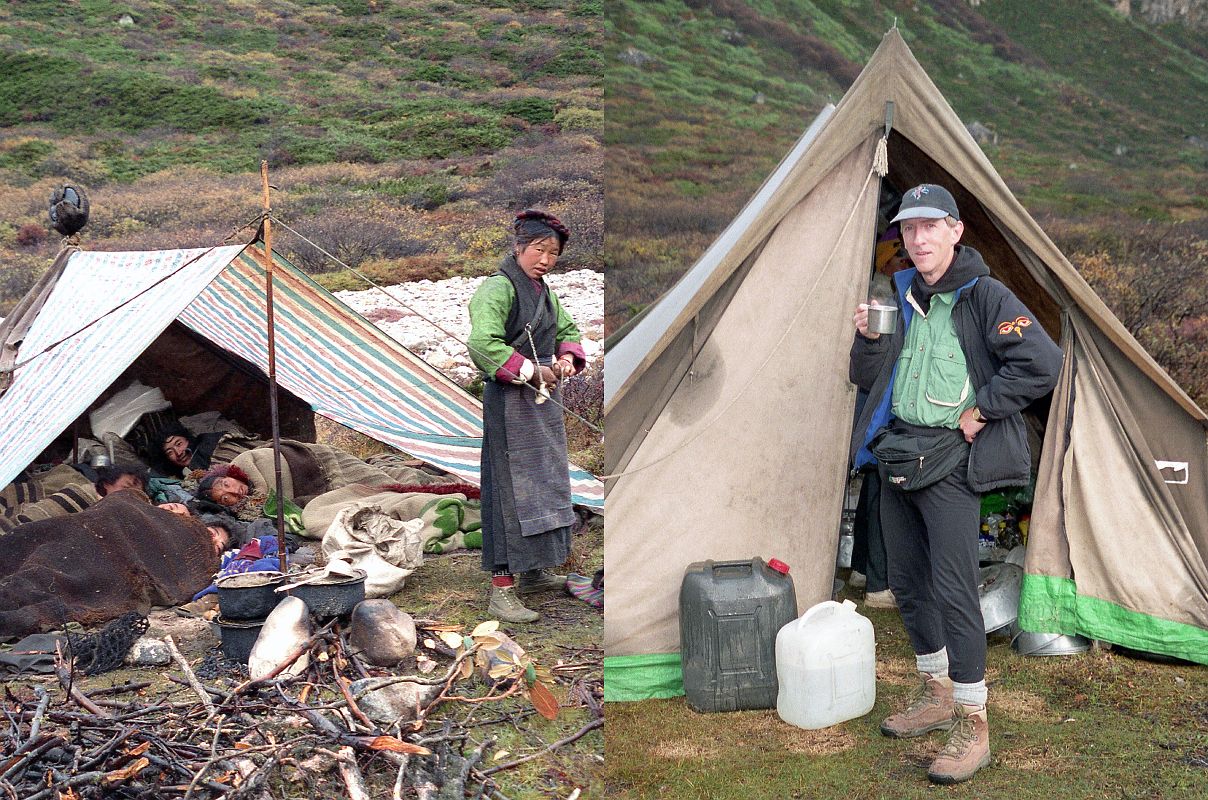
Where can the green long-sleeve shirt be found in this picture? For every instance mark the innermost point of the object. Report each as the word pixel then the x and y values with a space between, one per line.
pixel 489 309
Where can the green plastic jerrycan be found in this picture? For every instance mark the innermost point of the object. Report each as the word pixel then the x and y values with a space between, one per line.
pixel 730 613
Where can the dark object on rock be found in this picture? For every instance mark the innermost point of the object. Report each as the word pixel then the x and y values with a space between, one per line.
pixel 68 209
pixel 105 650
pixel 381 633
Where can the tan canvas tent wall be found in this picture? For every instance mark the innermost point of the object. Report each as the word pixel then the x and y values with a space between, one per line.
pixel 729 410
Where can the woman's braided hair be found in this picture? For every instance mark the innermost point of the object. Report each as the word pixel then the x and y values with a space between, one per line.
pixel 532 225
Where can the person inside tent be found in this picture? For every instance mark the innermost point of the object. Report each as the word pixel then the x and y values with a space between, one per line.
pixel 75 498
pixel 179 450
pixel 308 469
pixel 525 344
pixel 118 555
pixel 943 422
pixel 223 485
pixel 868 559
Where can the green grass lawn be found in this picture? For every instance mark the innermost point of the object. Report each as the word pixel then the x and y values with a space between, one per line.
pixel 1095 725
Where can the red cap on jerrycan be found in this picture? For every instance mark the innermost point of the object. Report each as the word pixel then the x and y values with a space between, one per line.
pixel 779 566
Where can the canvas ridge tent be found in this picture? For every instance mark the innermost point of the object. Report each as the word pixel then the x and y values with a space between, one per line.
pixel 192 322
pixel 729 410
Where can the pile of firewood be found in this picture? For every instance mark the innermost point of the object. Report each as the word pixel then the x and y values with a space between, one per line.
pixel 231 740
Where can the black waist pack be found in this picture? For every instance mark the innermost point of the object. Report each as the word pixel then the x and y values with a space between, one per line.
pixel 911 461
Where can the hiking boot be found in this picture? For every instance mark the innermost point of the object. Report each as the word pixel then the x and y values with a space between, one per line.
pixel 857 580
pixel 205 607
pixel 968 748
pixel 932 709
pixel 881 599
pixel 505 605
pixel 539 580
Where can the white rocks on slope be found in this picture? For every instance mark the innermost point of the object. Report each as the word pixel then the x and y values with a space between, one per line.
pixel 445 303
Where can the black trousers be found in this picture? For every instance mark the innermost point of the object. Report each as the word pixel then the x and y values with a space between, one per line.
pixel 931 541
pixel 868 544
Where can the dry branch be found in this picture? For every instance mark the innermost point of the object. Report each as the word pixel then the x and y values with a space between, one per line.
pixel 189 676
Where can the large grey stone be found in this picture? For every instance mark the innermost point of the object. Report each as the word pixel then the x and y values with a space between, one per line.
pixel 398 702
pixel 148 652
pixel 380 633
pixel 286 629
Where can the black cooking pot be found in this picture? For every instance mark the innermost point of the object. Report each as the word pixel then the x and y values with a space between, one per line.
pixel 332 597
pixel 238 636
pixel 248 595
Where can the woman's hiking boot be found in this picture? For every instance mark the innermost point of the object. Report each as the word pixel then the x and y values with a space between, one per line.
pixel 931 710
pixel 539 580
pixel 505 605
pixel 968 748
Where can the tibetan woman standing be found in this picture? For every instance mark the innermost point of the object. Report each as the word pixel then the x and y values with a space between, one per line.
pixel 525 344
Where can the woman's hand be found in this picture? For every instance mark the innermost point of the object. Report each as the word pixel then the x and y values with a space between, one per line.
pixel 546 374
pixel 564 367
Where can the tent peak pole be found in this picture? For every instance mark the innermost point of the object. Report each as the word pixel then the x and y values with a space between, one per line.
pixel 267 228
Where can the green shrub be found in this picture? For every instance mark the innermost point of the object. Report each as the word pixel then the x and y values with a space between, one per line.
pixel 535 110
pixel 579 119
pixel 40 88
pixel 26 156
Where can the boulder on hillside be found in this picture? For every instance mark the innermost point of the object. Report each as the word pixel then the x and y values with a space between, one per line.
pixel 982 134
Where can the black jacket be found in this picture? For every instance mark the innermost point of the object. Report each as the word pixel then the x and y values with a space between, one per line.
pixel 1011 362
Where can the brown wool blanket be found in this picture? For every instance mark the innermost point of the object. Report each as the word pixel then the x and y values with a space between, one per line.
pixel 122 554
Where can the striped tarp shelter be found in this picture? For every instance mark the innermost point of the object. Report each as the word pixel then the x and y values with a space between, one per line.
pixel 107 308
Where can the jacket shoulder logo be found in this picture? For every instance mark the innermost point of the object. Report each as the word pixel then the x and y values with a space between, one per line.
pixel 1015 326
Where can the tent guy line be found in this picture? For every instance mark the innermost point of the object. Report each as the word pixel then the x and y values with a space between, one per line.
pixel 880 168
pixel 419 314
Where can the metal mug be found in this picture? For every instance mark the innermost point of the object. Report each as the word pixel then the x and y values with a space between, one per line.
pixel 882 319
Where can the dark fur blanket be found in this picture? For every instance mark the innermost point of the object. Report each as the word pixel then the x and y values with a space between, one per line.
pixel 122 554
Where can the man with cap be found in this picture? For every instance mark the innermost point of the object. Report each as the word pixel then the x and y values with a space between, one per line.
pixel 967 357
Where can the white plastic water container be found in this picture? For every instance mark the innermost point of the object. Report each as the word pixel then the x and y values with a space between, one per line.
pixel 826 666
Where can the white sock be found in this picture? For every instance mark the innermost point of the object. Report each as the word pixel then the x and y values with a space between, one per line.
pixel 970 694
pixel 934 664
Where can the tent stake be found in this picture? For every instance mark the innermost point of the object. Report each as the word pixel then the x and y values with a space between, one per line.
pixel 272 364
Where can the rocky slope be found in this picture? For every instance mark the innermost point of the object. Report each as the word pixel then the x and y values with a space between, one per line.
pixel 430 317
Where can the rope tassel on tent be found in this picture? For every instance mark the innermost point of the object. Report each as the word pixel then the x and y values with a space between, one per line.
pixel 880 159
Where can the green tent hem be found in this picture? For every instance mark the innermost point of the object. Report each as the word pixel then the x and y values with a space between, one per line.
pixel 642 677
pixel 1053 605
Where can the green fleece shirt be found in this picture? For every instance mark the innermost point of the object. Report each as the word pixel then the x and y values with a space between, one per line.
pixel 932 385
pixel 489 309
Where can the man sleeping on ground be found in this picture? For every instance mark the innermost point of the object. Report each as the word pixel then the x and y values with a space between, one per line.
pixel 77 497
pixel 122 554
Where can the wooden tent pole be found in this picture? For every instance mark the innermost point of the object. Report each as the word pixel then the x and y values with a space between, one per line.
pixel 272 365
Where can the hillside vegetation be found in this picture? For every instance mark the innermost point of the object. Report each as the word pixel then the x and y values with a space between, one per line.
pixel 1099 133
pixel 401 137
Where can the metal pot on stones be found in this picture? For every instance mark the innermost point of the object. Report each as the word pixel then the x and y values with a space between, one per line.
pixel 248 595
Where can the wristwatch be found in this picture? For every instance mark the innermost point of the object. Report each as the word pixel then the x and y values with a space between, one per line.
pixel 977 415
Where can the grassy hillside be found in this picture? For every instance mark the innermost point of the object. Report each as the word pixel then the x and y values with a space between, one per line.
pixel 1098 131
pixel 401 136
